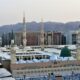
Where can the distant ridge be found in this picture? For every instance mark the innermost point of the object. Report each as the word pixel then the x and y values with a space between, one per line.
pixel 48 26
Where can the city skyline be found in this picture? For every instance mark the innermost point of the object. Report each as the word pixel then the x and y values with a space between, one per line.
pixel 11 11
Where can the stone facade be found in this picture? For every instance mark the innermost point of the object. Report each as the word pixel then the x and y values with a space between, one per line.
pixel 42 69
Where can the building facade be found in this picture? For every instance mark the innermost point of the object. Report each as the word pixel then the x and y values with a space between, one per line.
pixel 34 38
pixel 71 37
pixel 44 69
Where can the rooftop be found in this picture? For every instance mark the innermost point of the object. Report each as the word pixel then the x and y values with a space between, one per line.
pixel 54 53
pixel 4 73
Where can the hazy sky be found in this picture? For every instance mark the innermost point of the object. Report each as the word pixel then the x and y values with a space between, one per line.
pixel 11 11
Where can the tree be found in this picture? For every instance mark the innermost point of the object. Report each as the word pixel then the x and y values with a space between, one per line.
pixel 65 52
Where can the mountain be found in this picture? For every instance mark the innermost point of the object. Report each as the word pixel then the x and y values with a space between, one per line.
pixel 48 26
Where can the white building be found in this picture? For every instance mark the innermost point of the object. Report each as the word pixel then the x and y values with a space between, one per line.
pixel 71 37
pixel 5 75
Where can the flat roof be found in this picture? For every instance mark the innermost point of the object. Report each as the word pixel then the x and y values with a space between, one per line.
pixel 4 73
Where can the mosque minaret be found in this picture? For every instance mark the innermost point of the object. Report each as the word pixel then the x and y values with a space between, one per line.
pixel 78 45
pixel 13 53
pixel 42 35
pixel 24 31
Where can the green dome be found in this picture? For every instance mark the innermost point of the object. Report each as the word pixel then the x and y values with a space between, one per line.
pixel 65 52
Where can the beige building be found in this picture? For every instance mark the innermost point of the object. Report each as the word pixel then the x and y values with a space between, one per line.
pixel 43 69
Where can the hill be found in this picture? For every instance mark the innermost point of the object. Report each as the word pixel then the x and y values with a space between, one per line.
pixel 48 26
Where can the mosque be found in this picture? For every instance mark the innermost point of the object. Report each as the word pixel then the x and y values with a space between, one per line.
pixel 29 62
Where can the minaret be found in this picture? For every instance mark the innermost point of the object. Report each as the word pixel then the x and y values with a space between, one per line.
pixel 42 35
pixel 78 45
pixel 13 53
pixel 24 31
